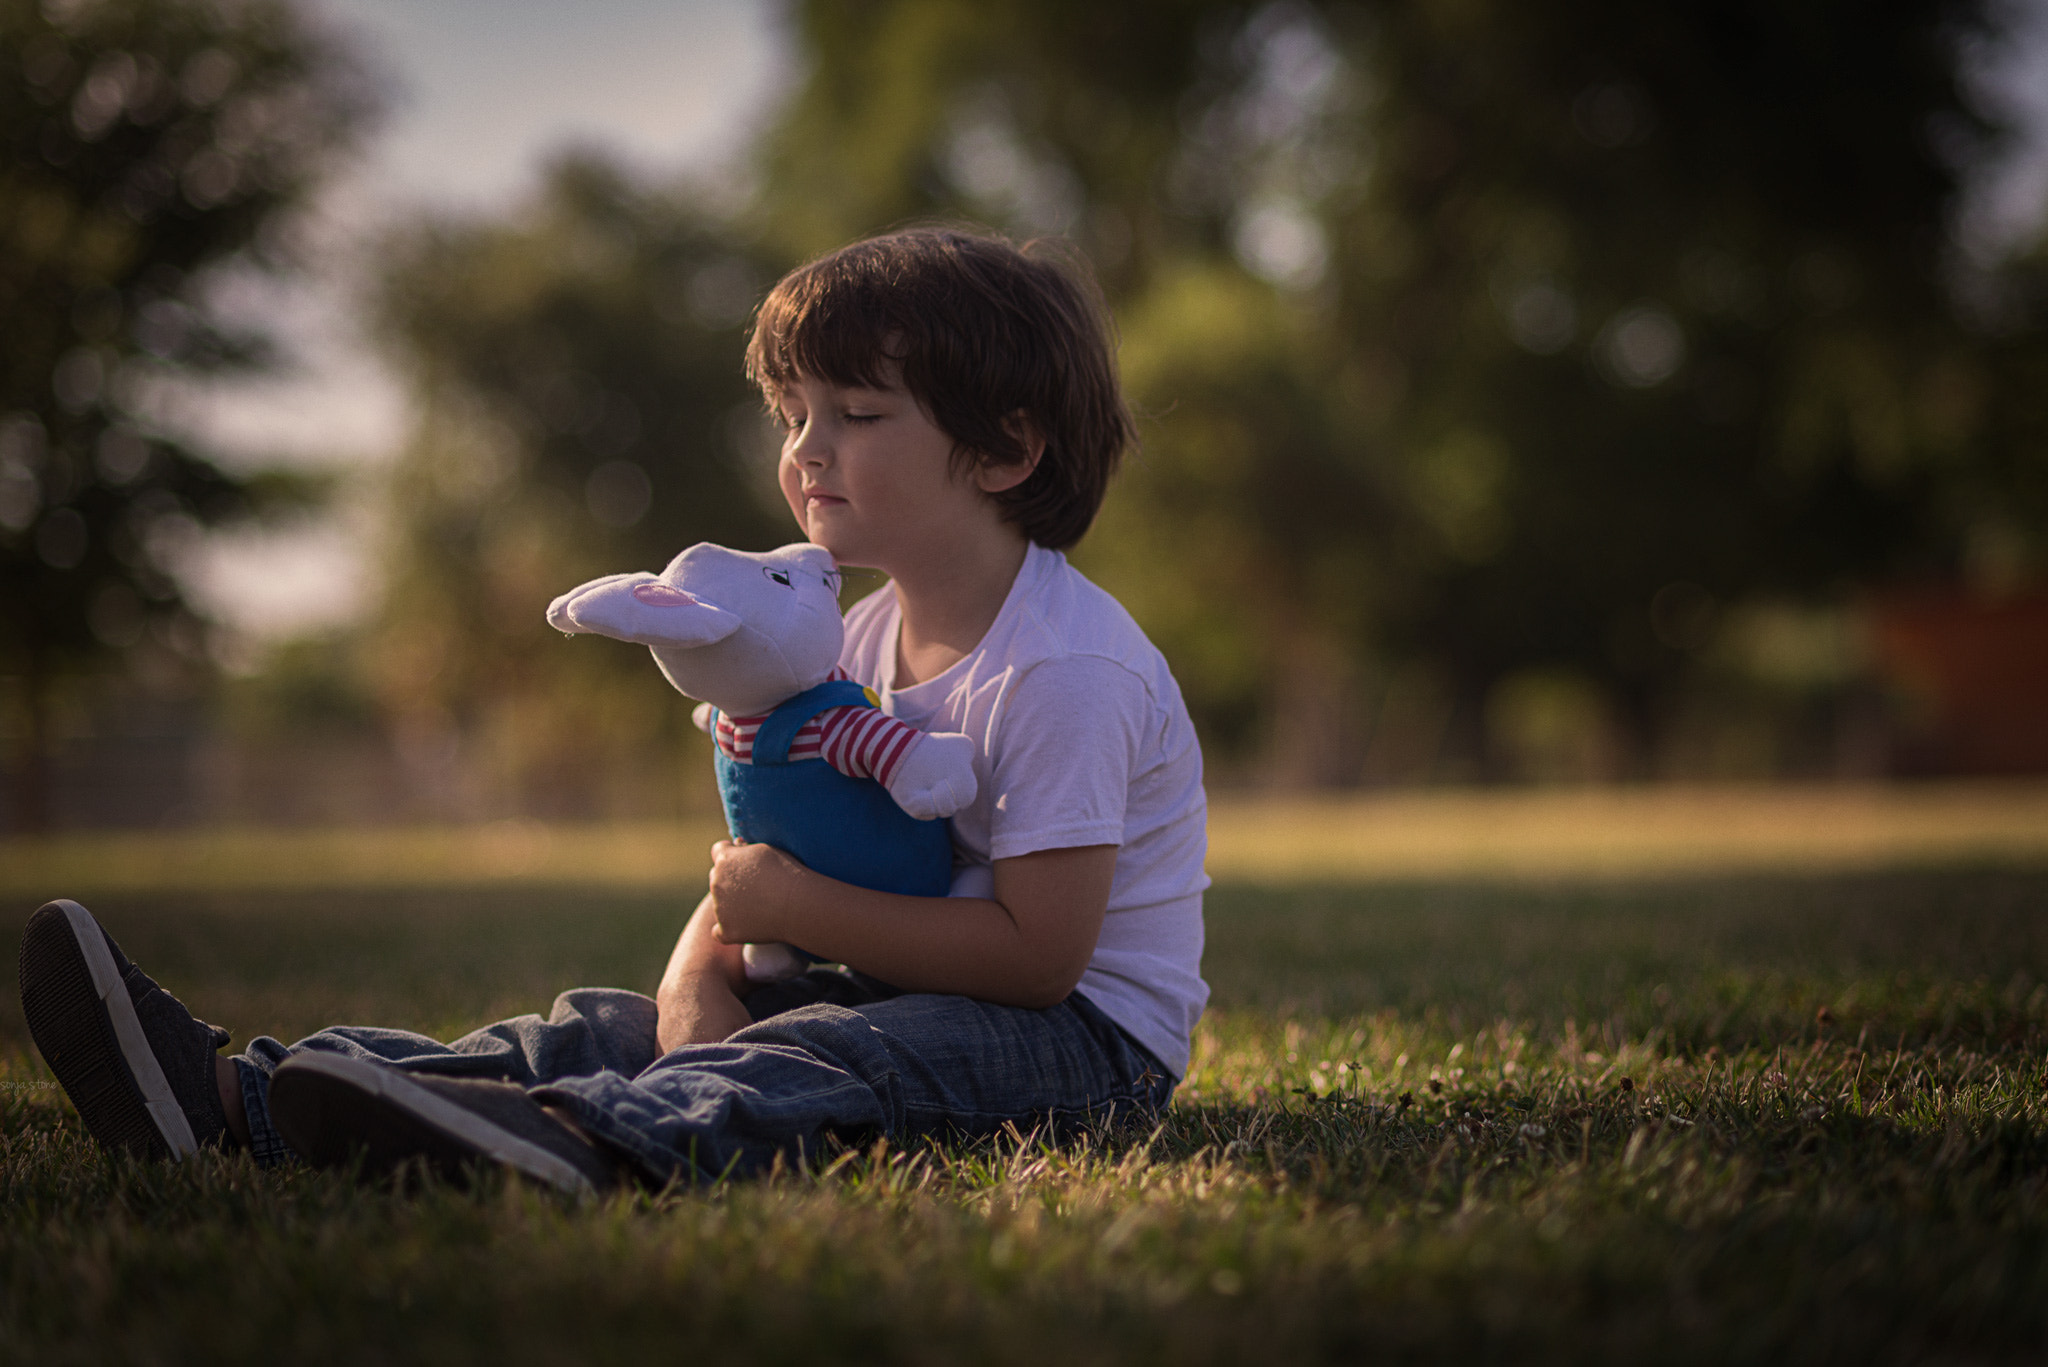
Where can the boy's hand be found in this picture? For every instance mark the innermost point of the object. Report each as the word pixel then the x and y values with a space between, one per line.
pixel 751 886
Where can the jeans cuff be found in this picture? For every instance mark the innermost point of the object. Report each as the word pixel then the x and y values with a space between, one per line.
pixel 266 1145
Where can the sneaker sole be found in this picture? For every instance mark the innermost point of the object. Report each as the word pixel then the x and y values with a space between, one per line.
pixel 82 1021
pixel 330 1108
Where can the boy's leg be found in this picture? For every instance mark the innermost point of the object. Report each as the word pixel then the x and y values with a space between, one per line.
pixel 590 1029
pixel 907 1065
pixel 341 1100
pixel 145 1076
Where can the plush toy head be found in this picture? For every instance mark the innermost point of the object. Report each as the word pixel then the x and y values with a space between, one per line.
pixel 744 631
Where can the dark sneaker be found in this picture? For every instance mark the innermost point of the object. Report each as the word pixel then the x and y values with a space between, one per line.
pixel 331 1108
pixel 137 1065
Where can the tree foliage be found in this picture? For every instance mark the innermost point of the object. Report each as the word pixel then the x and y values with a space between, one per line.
pixel 1678 271
pixel 1476 344
pixel 148 143
pixel 1489 337
pixel 576 367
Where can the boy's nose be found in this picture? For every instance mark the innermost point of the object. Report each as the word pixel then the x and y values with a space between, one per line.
pixel 808 447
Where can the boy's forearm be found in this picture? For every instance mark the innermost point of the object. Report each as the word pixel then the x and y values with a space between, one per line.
pixel 970 946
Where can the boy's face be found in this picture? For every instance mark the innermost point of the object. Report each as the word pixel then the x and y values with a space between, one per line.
pixel 869 476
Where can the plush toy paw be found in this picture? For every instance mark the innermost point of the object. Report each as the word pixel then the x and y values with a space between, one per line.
pixel 937 777
pixel 770 963
pixel 642 609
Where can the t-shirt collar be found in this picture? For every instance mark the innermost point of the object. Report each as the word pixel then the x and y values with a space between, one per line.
pixel 1035 561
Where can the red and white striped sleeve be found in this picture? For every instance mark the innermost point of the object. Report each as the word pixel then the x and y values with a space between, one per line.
pixel 866 742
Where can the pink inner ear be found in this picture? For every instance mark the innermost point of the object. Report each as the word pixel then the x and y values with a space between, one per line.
pixel 664 596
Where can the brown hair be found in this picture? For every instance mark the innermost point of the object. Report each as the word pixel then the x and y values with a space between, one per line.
pixel 980 329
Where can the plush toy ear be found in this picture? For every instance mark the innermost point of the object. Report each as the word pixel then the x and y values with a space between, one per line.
pixel 558 611
pixel 642 609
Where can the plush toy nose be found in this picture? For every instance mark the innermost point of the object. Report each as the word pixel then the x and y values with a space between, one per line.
pixel 664 596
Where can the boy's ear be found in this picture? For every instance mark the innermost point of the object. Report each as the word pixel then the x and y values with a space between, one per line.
pixel 993 478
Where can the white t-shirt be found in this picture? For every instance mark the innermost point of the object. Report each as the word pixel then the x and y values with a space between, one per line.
pixel 1081 739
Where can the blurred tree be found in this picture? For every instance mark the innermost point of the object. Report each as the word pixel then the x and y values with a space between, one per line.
pixel 1060 116
pixel 1496 337
pixel 1669 288
pixel 149 145
pixel 577 370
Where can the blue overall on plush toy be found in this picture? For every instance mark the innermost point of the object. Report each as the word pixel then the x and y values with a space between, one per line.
pixel 756 638
pixel 843 827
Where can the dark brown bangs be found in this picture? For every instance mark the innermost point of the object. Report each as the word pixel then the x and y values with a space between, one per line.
pixel 821 323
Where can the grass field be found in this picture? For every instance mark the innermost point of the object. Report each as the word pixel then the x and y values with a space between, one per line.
pixel 1764 1115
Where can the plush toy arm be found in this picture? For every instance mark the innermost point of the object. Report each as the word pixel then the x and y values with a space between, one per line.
pixel 936 777
pixel 700 715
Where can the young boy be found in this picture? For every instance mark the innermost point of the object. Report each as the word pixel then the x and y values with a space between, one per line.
pixel 952 418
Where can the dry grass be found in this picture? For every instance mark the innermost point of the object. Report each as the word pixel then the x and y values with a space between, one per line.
pixel 632 855
pixel 1623 832
pixel 1597 832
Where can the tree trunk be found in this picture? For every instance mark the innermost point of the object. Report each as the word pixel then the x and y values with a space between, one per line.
pixel 1316 737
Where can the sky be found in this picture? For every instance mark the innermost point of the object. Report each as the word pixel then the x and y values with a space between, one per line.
pixel 481 92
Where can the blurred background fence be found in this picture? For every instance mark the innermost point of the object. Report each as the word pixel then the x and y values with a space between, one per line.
pixel 1532 392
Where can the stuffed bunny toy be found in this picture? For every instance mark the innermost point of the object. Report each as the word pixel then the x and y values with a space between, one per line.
pixel 807 762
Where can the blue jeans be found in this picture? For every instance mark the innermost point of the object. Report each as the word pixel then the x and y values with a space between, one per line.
pixel 830 1052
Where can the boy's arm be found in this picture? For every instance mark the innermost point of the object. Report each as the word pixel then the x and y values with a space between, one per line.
pixel 698 1000
pixel 1026 946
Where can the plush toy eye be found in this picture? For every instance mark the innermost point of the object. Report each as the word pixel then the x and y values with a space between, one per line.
pixel 832 581
pixel 777 575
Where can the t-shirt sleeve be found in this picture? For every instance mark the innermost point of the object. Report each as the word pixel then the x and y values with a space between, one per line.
pixel 1065 749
